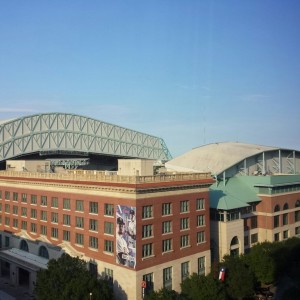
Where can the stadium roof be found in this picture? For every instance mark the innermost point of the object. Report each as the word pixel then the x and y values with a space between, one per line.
pixel 73 134
pixel 215 158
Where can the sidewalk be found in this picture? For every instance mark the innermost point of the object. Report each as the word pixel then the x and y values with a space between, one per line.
pixel 10 292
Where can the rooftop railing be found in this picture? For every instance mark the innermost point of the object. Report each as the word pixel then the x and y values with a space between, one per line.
pixel 103 176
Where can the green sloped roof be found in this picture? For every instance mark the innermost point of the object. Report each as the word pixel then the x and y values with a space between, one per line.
pixel 236 193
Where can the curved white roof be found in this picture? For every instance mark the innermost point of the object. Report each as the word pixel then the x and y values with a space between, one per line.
pixel 215 158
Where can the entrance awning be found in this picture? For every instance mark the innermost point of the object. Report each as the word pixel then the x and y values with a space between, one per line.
pixel 24 259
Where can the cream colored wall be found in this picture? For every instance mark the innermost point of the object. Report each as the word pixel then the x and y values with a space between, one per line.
pixel 135 167
pixel 28 165
pixel 223 232
pixel 130 280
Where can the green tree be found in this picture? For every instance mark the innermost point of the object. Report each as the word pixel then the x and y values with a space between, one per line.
pixel 261 262
pixel 203 287
pixel 67 278
pixel 239 279
pixel 164 294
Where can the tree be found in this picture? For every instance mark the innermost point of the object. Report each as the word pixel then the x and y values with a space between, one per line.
pixel 67 278
pixel 164 294
pixel 203 287
pixel 239 279
pixel 261 262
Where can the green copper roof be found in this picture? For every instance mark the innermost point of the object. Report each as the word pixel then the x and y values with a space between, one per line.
pixel 236 193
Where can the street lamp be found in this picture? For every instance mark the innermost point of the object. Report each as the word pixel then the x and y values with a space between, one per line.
pixel 91 296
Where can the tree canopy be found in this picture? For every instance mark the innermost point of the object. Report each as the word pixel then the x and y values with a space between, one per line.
pixel 67 278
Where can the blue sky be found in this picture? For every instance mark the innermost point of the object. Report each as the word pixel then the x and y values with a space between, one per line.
pixel 191 72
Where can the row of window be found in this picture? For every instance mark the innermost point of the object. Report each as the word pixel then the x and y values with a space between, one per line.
pixel 79 222
pixel 285 219
pixel 147 230
pixel 79 204
pixel 167 208
pixel 168 274
pixel 286 206
pixel 167 244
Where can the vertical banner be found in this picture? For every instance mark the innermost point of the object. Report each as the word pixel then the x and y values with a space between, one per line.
pixel 126 236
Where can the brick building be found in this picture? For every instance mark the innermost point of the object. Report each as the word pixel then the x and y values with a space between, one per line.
pixel 130 229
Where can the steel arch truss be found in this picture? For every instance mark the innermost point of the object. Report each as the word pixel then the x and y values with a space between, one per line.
pixel 59 132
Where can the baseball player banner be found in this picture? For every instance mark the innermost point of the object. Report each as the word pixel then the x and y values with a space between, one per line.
pixel 126 236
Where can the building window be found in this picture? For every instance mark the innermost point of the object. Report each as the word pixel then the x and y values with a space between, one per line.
pixel 24 225
pixel 33 199
pixel 297 231
pixel 66 203
pixel 108 209
pixel 285 234
pixel 109 246
pixel 7 221
pixel 285 206
pixel 44 200
pixel 167 278
pixel 200 237
pixel 167 227
pixel 33 213
pixel 184 223
pixel 43 230
pixel 54 217
pixel 24 198
pixel 108 227
pixel 7 208
pixel 67 220
pixel 276 221
pixel 43 215
pixel 184 241
pixel 184 271
pixel 200 204
pixel 297 216
pixel 15 223
pixel 24 246
pixel 54 202
pixel 297 203
pixel 184 206
pixel 93 243
pixel 201 265
pixel 66 235
pixel 147 212
pixel 167 245
pixel 93 207
pixel 79 205
pixel 147 231
pixel 15 196
pixel 93 225
pixel 33 227
pixel 79 238
pixel 79 222
pixel 148 278
pixel 166 209
pixel 200 220
pixel 24 211
pixel 54 232
pixel 0 207
pixel 253 222
pixel 109 274
pixel 276 237
pixel 43 252
pixel 254 238
pixel 15 210
pixel 246 240
pixel 7 195
pixel 276 208
pixel 147 250
pixel 284 219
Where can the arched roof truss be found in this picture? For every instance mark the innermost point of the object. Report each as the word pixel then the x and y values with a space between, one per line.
pixel 69 133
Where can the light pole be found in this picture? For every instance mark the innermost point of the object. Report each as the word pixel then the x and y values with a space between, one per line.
pixel 91 296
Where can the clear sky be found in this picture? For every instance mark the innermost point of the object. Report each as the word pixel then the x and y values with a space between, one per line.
pixel 189 71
